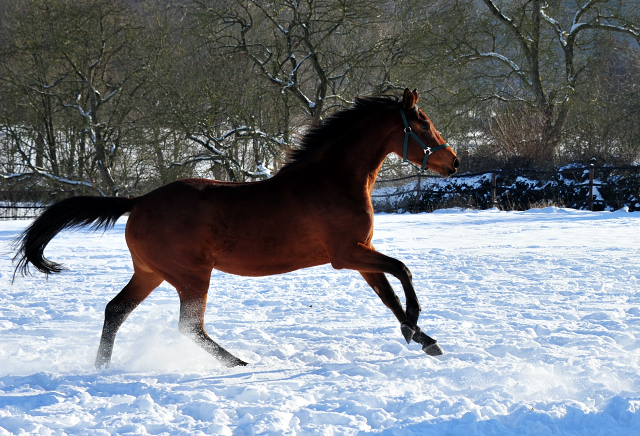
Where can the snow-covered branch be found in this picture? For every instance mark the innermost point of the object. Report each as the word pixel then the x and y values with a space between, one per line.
pixel 37 171
pixel 524 41
pixel 580 12
pixel 42 173
pixel 598 21
pixel 294 71
pixel 502 59
pixel 243 132
pixel 562 36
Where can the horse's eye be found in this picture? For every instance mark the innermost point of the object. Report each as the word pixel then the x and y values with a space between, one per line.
pixel 425 126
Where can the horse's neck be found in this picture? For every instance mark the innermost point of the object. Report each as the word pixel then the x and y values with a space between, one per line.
pixel 361 154
pixel 351 163
pixel 349 167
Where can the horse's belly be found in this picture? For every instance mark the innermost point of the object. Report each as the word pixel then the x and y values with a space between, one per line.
pixel 269 262
pixel 263 244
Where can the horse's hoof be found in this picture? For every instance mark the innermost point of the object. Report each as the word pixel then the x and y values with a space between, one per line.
pixel 407 332
pixel 433 349
pixel 230 363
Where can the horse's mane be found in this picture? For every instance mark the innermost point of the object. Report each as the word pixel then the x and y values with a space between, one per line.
pixel 340 123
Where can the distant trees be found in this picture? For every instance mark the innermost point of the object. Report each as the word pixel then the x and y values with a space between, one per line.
pixel 117 96
pixel 71 74
pixel 293 62
pixel 315 51
pixel 605 118
pixel 520 67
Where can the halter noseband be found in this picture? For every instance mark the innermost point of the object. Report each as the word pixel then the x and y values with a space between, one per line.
pixel 427 150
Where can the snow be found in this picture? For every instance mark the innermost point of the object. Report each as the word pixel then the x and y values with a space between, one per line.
pixel 538 313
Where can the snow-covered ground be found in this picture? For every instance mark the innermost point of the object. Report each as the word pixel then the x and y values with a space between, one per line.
pixel 538 313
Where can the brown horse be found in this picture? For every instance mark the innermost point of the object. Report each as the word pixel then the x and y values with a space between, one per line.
pixel 315 210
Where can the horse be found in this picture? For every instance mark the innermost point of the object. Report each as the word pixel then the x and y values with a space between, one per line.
pixel 315 210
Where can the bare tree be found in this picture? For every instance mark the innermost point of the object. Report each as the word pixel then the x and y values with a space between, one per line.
pixel 605 120
pixel 119 96
pixel 29 110
pixel 314 51
pixel 529 53
pixel 82 75
pixel 97 50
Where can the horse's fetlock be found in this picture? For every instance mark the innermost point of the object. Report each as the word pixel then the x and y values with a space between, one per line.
pixel 413 313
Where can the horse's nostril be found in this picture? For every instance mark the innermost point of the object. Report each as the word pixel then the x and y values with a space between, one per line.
pixel 456 163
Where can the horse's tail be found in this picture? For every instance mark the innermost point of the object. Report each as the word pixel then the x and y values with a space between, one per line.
pixel 102 212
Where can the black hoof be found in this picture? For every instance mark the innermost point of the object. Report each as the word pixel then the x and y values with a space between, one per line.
pixel 433 350
pixel 407 332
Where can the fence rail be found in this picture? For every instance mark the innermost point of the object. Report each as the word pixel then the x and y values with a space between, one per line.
pixel 27 204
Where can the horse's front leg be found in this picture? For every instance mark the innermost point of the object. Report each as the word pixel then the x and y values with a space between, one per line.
pixel 382 287
pixel 365 258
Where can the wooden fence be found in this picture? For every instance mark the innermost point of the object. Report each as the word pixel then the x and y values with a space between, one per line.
pixel 29 204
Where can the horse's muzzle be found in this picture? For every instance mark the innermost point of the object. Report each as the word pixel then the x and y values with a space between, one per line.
pixel 453 169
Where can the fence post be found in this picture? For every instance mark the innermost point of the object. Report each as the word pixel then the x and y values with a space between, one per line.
pixel 415 205
pixel 591 171
pixel 493 188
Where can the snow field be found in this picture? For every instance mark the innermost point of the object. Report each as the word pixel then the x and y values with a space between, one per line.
pixel 538 313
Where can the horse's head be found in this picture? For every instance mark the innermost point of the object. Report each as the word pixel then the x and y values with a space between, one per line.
pixel 421 144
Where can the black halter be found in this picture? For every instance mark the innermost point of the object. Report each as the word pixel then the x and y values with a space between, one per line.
pixel 427 150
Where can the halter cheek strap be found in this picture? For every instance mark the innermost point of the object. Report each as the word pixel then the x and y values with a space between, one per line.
pixel 427 150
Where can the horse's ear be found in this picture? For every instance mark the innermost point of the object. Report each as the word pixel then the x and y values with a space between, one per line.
pixel 409 99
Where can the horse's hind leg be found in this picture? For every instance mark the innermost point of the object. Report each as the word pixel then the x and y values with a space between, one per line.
pixel 382 287
pixel 193 302
pixel 118 309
